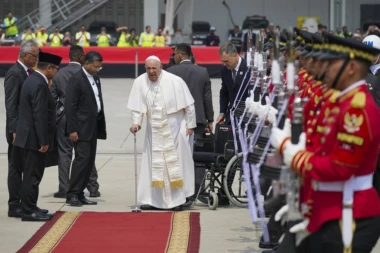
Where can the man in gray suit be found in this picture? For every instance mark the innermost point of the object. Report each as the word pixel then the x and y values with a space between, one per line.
pixel 65 146
pixel 198 81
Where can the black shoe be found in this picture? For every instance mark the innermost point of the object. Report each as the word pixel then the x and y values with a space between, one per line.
pixel 188 203
pixel 177 208
pixel 94 194
pixel 148 207
pixel 15 212
pixel 74 201
pixel 60 195
pixel 36 216
pixel 223 201
pixel 44 211
pixel 86 201
pixel 267 245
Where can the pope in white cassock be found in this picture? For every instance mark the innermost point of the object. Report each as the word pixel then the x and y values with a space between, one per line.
pixel 167 166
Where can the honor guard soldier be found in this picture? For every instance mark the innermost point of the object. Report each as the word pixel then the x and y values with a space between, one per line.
pixel 342 168
pixel 236 38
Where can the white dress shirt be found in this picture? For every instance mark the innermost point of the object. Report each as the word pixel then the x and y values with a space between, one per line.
pixel 375 68
pixel 94 88
pixel 43 76
pixel 25 67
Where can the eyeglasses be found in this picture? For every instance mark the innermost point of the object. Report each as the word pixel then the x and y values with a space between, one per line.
pixel 98 68
pixel 34 55
pixel 54 67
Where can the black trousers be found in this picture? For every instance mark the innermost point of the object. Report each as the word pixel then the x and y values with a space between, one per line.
pixel 15 170
pixel 83 164
pixel 329 238
pixel 33 173
pixel 65 155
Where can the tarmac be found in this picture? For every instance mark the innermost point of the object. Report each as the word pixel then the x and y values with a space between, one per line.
pixel 225 230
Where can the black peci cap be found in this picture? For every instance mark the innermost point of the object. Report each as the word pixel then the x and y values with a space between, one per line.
pixel 49 58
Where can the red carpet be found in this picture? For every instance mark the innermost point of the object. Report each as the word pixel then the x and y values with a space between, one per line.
pixel 95 232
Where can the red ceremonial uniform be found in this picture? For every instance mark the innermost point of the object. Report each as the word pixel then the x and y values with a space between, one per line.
pixel 349 147
pixel 315 112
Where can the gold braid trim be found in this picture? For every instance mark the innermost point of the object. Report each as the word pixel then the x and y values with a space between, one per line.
pixel 352 52
pixel 180 233
pixel 158 184
pixel 349 249
pixel 175 184
pixel 56 232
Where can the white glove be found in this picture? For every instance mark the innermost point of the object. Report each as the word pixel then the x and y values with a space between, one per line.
pixel 267 112
pixel 292 149
pixel 278 135
pixel 300 230
pixel 282 214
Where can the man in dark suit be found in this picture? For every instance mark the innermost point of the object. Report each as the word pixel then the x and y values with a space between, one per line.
pixel 198 81
pixel 233 73
pixel 35 132
pixel 85 124
pixel 65 146
pixel 13 83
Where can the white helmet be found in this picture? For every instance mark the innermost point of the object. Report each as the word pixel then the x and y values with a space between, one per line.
pixel 372 41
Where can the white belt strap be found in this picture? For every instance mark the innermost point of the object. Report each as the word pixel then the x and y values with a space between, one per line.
pixel 360 183
pixel 348 188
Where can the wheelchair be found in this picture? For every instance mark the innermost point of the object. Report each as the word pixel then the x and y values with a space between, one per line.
pixel 223 169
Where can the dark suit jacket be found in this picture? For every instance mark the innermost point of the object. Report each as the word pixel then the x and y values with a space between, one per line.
pixel 13 82
pixel 36 119
pixel 198 81
pixel 58 87
pixel 373 85
pixel 82 110
pixel 230 89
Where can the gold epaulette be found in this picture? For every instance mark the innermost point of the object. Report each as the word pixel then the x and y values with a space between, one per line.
pixel 334 96
pixel 358 101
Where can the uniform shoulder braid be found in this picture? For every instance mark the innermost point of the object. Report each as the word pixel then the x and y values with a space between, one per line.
pixel 359 100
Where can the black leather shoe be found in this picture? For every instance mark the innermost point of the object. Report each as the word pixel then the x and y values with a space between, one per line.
pixel 36 216
pixel 148 207
pixel 44 211
pixel 60 195
pixel 74 201
pixel 86 201
pixel 177 208
pixel 94 194
pixel 15 213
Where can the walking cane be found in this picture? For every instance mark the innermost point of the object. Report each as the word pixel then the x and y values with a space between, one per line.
pixel 137 208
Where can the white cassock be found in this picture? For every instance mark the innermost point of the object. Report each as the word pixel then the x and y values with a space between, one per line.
pixel 167 166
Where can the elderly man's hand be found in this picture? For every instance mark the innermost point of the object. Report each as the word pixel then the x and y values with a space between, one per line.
pixel 134 128
pixel 189 131
pixel 220 119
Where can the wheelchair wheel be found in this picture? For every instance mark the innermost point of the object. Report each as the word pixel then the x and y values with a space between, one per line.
pixel 233 182
pixel 213 201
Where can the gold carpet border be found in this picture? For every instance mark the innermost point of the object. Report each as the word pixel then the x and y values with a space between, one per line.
pixel 55 233
pixel 180 234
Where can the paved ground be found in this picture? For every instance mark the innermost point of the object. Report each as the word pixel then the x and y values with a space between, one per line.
pixel 224 230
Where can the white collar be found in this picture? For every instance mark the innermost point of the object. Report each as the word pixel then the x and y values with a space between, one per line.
pixel 374 68
pixel 75 63
pixel 238 65
pixel 351 87
pixel 185 60
pixel 87 74
pixel 23 65
pixel 42 75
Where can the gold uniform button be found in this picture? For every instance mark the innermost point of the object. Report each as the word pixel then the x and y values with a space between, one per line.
pixel 309 130
pixel 323 153
pixel 323 140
